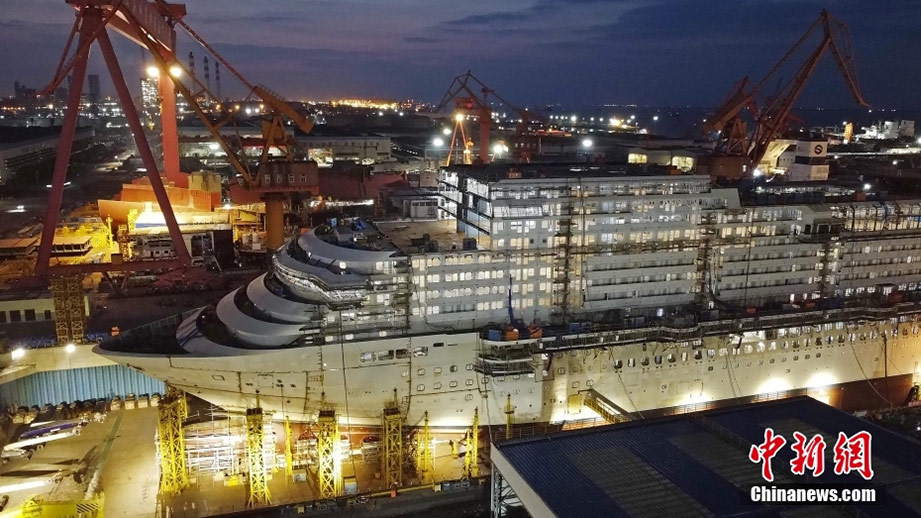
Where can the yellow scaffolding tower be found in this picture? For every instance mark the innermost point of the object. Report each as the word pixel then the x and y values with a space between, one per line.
pixel 69 310
pixel 329 459
pixel 289 454
pixel 392 459
pixel 173 474
pixel 424 464
pixel 509 416
pixel 471 467
pixel 255 453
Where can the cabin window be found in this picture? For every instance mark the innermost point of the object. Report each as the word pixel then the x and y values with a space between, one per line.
pixel 453 384
pixel 420 387
pixel 469 382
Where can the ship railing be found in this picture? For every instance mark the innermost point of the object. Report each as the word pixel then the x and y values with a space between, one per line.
pixel 503 366
pixel 608 334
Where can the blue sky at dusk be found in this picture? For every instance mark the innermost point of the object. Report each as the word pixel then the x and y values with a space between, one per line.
pixel 574 52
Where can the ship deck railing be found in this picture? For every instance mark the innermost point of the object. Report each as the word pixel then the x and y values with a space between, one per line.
pixel 555 338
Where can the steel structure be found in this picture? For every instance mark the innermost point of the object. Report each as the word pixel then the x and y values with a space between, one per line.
pixel 424 463
pixel 471 466
pixel 392 458
pixel 255 453
pixel 770 113
pixel 174 476
pixel 329 458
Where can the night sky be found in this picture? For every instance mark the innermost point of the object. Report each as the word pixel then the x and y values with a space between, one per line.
pixel 574 52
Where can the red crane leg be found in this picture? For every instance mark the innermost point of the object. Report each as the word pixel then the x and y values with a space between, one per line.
pixel 169 134
pixel 91 18
pixel 131 114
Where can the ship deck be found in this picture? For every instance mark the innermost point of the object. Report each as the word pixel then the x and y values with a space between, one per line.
pixel 408 237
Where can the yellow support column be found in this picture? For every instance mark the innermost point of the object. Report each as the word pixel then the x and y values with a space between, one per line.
pixel 255 453
pixel 471 467
pixel 289 455
pixel 173 474
pixel 392 458
pixel 424 463
pixel 509 416
pixel 329 460
pixel 69 311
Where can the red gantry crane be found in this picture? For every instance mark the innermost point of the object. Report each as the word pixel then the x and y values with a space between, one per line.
pixel 150 24
pixel 771 116
pixel 472 98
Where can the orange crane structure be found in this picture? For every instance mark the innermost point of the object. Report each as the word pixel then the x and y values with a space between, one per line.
pixel 472 97
pixel 739 152
pixel 151 24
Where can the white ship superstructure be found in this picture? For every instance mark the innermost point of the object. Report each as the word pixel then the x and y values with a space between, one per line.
pixel 545 282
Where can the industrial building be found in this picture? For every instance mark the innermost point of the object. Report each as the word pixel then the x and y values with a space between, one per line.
pixel 23 148
pixel 694 465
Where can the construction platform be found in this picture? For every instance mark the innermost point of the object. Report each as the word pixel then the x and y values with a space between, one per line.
pixel 696 465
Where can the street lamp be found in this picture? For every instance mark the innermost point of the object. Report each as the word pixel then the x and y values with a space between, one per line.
pixel 153 72
pixel 70 348
pixel 175 71
pixel 18 353
pixel 446 131
pixel 438 142
pixel 587 143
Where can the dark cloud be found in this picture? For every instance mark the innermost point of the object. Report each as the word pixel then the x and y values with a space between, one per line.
pixel 493 18
pixel 421 39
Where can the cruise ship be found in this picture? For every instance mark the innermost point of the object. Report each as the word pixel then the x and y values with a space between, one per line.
pixel 542 283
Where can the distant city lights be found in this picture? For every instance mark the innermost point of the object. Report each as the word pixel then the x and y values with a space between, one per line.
pixel 867 187
pixel 446 131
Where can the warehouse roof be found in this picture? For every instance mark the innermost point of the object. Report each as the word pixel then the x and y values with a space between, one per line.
pixel 697 464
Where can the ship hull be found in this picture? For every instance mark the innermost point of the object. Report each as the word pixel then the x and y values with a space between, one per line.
pixel 851 365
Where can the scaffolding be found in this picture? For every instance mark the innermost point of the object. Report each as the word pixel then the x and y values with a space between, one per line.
pixel 174 476
pixel 69 310
pixel 255 452
pixel 471 467
pixel 392 460
pixel 329 460
pixel 289 454
pixel 424 462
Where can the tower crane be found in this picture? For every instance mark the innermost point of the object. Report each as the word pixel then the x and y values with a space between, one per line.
pixel 771 115
pixel 472 97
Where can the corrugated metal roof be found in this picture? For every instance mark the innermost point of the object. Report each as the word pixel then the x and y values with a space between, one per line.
pixel 697 464
pixel 77 385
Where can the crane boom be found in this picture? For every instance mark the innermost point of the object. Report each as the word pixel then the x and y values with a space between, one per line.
pixel 771 116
